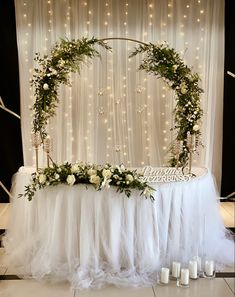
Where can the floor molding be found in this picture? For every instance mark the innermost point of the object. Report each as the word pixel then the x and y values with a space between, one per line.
pixel 16 277
pixel 10 277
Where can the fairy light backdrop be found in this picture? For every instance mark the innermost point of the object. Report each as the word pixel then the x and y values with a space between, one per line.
pixel 113 112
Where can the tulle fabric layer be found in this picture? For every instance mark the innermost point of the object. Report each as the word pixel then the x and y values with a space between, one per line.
pixel 97 238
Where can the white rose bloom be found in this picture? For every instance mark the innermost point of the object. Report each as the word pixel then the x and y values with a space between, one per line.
pixel 59 170
pixel 147 192
pixel 42 178
pixel 45 87
pixel 129 178
pixel 196 127
pixel 175 67
pixel 56 176
pixel 106 183
pixel 95 179
pixel 183 88
pixel 92 172
pixel 75 168
pixel 70 179
pixel 106 173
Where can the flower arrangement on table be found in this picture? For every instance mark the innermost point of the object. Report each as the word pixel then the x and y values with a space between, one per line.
pixel 84 173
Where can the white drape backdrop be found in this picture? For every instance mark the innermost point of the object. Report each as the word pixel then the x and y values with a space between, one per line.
pixel 113 112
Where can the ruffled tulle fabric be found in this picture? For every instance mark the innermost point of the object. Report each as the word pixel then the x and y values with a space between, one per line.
pixel 97 238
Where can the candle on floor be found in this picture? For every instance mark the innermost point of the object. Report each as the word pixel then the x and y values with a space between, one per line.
pixel 199 263
pixel 184 278
pixel 209 268
pixel 193 269
pixel 164 275
pixel 176 269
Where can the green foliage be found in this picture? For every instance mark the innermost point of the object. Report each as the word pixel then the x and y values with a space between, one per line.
pixel 160 60
pixel 164 62
pixel 84 173
pixel 66 57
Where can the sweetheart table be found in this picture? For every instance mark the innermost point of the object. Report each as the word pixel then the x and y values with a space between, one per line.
pixel 93 238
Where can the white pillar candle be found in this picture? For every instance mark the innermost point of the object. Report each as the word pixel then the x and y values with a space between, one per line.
pixel 209 268
pixel 176 269
pixel 193 269
pixel 199 263
pixel 164 275
pixel 184 278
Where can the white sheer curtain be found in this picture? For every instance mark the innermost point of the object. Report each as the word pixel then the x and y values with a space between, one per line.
pixel 113 112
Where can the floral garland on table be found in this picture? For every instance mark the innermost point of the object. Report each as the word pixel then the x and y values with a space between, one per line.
pixel 83 173
pixel 166 63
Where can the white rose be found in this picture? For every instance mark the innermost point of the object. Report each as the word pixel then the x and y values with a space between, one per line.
pixel 147 192
pixel 70 179
pixel 56 175
pixel 91 172
pixel 59 170
pixel 75 168
pixel 183 88
pixel 106 183
pixel 196 127
pixel 42 178
pixel 106 173
pixel 45 87
pixel 129 178
pixel 175 67
pixel 95 179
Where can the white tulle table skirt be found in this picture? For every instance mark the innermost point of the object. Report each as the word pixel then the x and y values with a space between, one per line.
pixel 95 238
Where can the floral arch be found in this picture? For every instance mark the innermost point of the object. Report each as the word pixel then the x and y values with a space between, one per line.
pixel 159 59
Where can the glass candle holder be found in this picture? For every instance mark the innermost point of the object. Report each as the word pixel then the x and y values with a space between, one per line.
pixel 209 270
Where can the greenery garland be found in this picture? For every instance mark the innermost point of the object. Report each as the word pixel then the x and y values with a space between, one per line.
pixel 164 62
pixel 161 60
pixel 84 173
pixel 66 57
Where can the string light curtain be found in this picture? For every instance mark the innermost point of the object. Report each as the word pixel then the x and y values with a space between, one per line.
pixel 114 113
